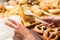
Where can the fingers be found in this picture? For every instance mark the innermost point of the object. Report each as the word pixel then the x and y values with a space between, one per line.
pixel 48 19
pixel 13 24
pixel 10 24
pixel 14 21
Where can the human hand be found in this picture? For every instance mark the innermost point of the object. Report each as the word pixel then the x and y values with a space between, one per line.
pixel 20 30
pixel 52 20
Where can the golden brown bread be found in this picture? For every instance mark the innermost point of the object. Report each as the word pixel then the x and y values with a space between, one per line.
pixel 46 33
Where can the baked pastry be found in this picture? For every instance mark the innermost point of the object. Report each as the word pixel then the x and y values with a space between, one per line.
pixel 54 11
pixel 46 33
pixel 51 34
pixel 36 10
pixel 40 29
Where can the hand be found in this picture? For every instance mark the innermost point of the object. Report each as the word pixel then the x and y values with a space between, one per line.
pixel 20 30
pixel 53 20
